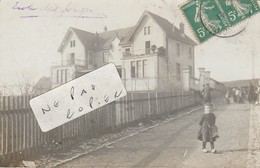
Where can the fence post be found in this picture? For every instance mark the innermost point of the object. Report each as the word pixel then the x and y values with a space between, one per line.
pixel 149 103
pixel 157 103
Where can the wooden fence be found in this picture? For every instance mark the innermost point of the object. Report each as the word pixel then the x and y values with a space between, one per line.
pixel 21 137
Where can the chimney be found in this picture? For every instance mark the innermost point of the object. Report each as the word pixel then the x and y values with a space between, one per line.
pixel 105 28
pixel 182 27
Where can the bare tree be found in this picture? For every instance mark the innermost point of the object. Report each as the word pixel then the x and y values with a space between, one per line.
pixel 25 85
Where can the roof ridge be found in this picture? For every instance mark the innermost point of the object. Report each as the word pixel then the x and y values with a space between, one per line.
pixel 81 30
pixel 116 29
pixel 159 17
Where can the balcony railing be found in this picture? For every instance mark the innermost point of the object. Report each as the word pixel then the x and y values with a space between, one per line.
pixel 148 51
pixel 73 62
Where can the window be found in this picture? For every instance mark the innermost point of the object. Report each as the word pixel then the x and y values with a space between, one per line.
pixel 72 59
pixel 133 69
pixel 178 49
pixel 58 76
pixel 127 51
pixel 147 47
pixel 105 57
pixel 61 76
pixel 139 69
pixel 190 52
pixel 91 57
pixel 190 70
pixel 72 43
pixel 178 71
pixel 145 68
pixel 66 75
pixel 148 29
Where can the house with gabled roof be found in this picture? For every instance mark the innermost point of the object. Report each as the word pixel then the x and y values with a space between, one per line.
pixel 159 52
pixel 82 52
pixel 149 56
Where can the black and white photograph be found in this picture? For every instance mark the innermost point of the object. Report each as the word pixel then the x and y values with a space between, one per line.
pixel 130 83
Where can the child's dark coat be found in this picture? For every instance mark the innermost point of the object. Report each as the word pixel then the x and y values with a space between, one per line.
pixel 206 122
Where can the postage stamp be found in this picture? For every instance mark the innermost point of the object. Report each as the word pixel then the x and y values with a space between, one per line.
pixel 209 18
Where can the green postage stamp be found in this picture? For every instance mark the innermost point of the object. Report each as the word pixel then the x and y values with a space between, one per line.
pixel 208 18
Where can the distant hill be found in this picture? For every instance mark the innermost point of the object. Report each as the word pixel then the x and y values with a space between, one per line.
pixel 241 83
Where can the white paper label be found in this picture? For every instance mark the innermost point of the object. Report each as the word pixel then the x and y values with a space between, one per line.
pixel 78 97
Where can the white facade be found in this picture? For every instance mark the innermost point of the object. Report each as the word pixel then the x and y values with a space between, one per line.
pixel 165 73
pixel 155 36
pixel 182 54
pixel 77 49
pixel 149 59
pixel 145 77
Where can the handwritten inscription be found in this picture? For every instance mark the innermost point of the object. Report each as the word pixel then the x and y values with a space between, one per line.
pixel 78 97
pixel 17 6
pixel 80 109
pixel 55 10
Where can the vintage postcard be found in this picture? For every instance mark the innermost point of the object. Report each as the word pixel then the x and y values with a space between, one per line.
pixel 129 83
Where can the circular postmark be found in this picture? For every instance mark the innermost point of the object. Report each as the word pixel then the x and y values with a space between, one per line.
pixel 215 22
pixel 232 31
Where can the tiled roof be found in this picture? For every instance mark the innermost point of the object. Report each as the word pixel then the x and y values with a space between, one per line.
pixel 109 36
pixel 104 39
pixel 168 28
pixel 85 37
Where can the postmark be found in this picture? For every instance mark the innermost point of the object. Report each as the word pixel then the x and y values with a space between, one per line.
pixel 209 18
pixel 78 97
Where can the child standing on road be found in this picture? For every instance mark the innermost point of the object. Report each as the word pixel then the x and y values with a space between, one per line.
pixel 208 131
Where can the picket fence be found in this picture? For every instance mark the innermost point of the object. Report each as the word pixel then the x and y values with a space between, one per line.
pixel 21 137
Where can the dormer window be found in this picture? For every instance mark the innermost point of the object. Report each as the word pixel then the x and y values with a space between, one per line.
pixel 72 43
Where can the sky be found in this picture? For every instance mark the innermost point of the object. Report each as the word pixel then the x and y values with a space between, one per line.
pixel 31 32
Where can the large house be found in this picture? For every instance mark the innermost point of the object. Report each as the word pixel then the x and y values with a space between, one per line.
pixel 149 56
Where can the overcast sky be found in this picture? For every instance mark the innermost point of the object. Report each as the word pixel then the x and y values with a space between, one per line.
pixel 28 45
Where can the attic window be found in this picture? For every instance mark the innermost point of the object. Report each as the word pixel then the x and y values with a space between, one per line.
pixel 147 30
pixel 72 43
